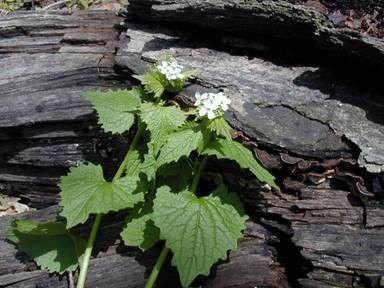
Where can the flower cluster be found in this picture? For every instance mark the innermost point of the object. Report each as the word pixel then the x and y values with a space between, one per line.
pixel 211 104
pixel 170 69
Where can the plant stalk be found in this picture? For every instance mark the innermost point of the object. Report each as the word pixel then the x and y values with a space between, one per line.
pixel 156 269
pixel 199 172
pixel 121 169
pixel 95 226
pixel 164 252
pixel 88 252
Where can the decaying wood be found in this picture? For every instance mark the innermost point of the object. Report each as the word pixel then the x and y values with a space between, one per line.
pixel 47 127
pixel 308 110
pixel 307 123
pixel 305 25
pixel 49 58
pixel 119 266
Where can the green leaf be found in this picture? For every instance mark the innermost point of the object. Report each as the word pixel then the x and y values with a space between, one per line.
pixel 85 191
pixel 229 198
pixel 152 82
pixel 228 149
pixel 179 144
pixel 115 109
pixel 135 166
pixel 190 73
pixel 177 175
pixel 161 121
pixel 220 127
pixel 149 165
pixel 84 3
pixel 140 231
pixel 199 231
pixel 50 245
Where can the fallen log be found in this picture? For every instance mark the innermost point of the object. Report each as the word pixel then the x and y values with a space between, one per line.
pixel 307 123
pixel 47 127
pixel 307 25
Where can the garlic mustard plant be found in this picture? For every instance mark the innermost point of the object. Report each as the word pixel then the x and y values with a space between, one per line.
pixel 157 182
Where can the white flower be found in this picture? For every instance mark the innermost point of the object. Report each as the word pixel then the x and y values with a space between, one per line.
pixel 171 69
pixel 200 97
pixel 211 104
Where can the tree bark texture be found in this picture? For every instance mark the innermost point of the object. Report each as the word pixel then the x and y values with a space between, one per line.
pixel 318 130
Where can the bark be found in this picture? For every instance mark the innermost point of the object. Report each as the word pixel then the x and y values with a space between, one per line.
pixel 309 124
pixel 307 25
pixel 46 127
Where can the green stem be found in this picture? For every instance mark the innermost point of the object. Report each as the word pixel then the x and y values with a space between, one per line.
pixel 156 269
pixel 88 252
pixel 198 174
pixel 95 227
pixel 164 252
pixel 121 169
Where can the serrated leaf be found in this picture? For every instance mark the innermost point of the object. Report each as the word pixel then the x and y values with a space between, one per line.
pixel 220 126
pixel 115 108
pixel 50 245
pixel 199 231
pixel 135 166
pixel 174 168
pixel 152 82
pixel 179 144
pixel 84 191
pixel 232 150
pixel 149 164
pixel 170 174
pixel 161 121
pixel 208 136
pixel 133 163
pixel 140 231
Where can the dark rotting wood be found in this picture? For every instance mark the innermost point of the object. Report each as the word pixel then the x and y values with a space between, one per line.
pixel 323 229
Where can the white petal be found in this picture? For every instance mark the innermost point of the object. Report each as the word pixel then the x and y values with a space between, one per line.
pixel 226 100
pixel 207 103
pixel 224 107
pixel 211 105
pixel 211 114
pixel 202 111
pixel 216 101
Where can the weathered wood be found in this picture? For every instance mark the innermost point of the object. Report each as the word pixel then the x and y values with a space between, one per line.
pixel 51 57
pixel 307 110
pixel 317 130
pixel 47 127
pixel 330 236
pixel 302 24
pixel 118 266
